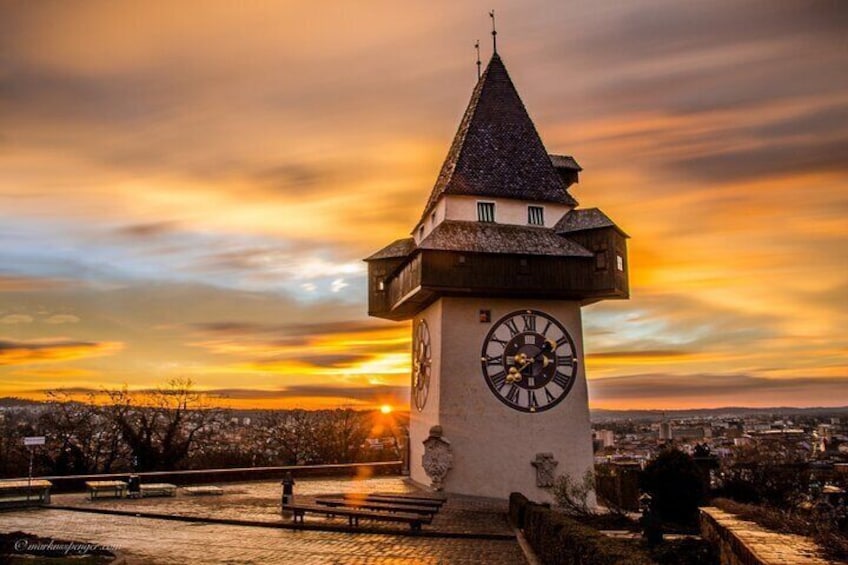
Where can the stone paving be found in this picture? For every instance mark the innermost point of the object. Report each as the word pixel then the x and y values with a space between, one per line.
pixel 146 540
pixel 161 542
pixel 260 501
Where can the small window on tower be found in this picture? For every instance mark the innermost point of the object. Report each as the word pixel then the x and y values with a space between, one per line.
pixel 485 211
pixel 536 215
pixel 432 219
pixel 619 262
pixel 601 260
pixel 421 232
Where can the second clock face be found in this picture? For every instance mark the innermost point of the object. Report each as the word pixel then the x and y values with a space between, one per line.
pixel 529 361
pixel 421 365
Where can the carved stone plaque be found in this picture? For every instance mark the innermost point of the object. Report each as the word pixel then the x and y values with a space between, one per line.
pixel 545 467
pixel 437 459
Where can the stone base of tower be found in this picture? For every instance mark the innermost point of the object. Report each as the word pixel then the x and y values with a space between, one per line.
pixel 492 446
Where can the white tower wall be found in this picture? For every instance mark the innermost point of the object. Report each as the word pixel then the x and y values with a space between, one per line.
pixel 494 445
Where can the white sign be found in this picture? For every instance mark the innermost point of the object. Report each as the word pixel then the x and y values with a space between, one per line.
pixel 34 440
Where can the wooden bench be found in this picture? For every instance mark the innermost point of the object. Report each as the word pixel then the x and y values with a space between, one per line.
pixel 436 504
pixel 404 500
pixel 353 515
pixel 25 492
pixel 118 489
pixel 336 502
pixel 204 490
pixel 413 496
pixel 158 489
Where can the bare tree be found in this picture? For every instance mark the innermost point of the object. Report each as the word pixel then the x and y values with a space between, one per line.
pixel 14 457
pixel 81 437
pixel 162 428
pixel 343 433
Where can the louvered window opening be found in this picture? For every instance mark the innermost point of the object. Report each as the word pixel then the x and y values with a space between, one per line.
pixel 536 215
pixel 485 211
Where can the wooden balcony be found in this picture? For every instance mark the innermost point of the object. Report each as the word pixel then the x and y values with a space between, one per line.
pixel 401 290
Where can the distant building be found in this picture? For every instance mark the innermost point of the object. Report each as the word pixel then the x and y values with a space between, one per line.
pixel 692 432
pixel 665 431
pixel 605 437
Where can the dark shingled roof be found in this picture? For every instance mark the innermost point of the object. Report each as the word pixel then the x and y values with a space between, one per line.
pixel 483 237
pixel 497 151
pixel 396 249
pixel 585 219
pixel 565 162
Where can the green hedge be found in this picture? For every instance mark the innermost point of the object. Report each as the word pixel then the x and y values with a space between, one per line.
pixel 559 540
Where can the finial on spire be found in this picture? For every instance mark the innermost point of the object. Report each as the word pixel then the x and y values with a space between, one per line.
pixel 477 47
pixel 494 32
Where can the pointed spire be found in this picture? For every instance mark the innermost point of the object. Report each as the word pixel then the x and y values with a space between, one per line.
pixel 497 151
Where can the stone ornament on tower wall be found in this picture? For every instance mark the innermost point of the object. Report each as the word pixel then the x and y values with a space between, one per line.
pixel 545 466
pixel 437 459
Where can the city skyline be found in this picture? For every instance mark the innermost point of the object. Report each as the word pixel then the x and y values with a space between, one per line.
pixel 189 193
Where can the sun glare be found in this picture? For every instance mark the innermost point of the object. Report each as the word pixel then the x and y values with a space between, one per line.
pixel 386 409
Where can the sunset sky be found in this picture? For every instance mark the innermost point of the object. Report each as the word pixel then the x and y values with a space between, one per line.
pixel 188 189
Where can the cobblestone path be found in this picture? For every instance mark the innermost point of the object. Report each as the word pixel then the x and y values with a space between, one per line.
pixel 165 542
pixel 260 501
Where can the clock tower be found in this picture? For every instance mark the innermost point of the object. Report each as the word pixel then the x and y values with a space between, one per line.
pixel 493 279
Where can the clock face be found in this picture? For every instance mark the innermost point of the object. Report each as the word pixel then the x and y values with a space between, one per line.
pixel 529 361
pixel 421 365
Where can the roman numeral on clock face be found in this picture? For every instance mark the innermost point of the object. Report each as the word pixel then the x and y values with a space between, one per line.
pixel 529 322
pixel 499 379
pixel 492 360
pixel 512 394
pixel 500 342
pixel 512 327
pixel 561 379
pixel 565 360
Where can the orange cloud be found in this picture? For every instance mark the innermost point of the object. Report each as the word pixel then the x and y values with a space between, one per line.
pixel 51 350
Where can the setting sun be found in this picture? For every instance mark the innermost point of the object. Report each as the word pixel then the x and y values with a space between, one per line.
pixel 386 409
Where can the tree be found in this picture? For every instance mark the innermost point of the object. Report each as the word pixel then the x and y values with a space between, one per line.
pixel 14 457
pixel 675 485
pixel 288 437
pixel 161 428
pixel 81 439
pixel 775 473
pixel 343 433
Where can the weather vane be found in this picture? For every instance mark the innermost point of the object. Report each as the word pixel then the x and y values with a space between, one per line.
pixel 477 47
pixel 494 32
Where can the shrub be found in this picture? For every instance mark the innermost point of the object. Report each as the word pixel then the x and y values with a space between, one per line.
pixel 675 484
pixel 560 540
pixel 572 495
pixel 688 550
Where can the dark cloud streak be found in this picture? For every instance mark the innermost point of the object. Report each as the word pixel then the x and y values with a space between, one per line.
pixel 727 387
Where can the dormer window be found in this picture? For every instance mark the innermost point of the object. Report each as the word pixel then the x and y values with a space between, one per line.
pixel 486 212
pixel 536 215
pixel 421 232
pixel 433 219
